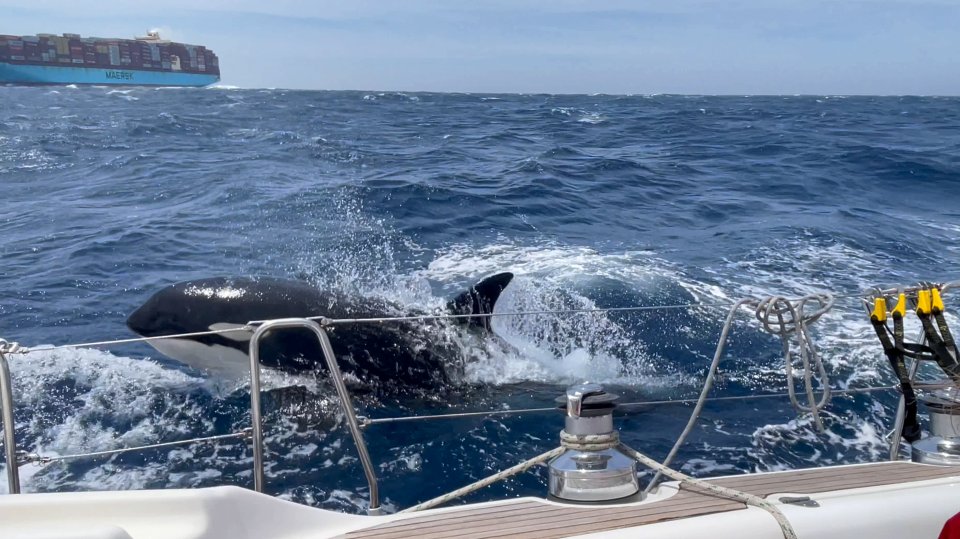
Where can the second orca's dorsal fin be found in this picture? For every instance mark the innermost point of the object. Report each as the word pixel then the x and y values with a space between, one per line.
pixel 480 299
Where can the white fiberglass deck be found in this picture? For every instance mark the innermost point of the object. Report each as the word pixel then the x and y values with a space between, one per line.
pixel 534 519
pixel 895 500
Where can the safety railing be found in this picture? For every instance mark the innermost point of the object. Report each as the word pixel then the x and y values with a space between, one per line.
pixel 345 401
pixel 355 423
pixel 6 402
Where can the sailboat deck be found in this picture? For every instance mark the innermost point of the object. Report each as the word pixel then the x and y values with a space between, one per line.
pixel 541 520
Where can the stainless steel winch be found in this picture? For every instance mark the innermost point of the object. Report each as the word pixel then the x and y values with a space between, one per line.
pixel 588 475
pixel 943 445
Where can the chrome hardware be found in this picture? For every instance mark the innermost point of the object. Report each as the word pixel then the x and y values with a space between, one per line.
pixel 951 446
pixel 591 475
pixel 576 394
pixel 936 450
pixel 943 407
pixel 801 501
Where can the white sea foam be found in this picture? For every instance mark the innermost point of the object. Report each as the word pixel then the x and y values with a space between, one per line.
pixel 391 95
pixel 592 118
pixel 773 445
pixel 953 229
pixel 556 347
pixel 121 388
pixel 87 400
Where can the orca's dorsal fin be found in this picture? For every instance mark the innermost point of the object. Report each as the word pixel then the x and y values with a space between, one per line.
pixel 480 299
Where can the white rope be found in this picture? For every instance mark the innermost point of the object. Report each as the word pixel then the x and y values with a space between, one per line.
pixel 589 442
pixel 7 347
pixel 500 476
pixel 567 441
pixel 707 386
pixel 723 492
pixel 772 313
pixel 601 442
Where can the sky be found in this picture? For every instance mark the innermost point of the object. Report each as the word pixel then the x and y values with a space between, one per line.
pixel 556 46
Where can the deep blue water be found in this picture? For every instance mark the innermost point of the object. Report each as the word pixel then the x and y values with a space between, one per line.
pixel 593 201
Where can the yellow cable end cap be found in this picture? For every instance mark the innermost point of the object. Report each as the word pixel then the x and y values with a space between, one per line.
pixel 923 302
pixel 901 307
pixel 879 310
pixel 879 313
pixel 937 301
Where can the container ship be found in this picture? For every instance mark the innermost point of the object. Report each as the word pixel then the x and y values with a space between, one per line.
pixel 71 59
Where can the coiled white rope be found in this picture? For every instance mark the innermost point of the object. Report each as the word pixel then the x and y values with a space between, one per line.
pixel 7 347
pixel 786 318
pixel 589 442
pixel 765 310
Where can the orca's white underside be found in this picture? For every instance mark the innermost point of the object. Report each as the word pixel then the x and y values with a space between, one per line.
pixel 219 361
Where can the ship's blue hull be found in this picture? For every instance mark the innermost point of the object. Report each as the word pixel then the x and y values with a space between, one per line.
pixel 34 74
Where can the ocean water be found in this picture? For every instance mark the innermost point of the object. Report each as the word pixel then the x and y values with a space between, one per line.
pixel 593 201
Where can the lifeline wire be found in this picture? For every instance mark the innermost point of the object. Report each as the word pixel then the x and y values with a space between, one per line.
pixel 249 327
pixel 325 321
pixel 41 459
pixel 367 421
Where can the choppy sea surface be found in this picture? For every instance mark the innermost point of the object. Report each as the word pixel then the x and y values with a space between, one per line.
pixel 592 201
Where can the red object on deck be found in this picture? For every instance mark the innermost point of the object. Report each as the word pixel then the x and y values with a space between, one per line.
pixel 951 530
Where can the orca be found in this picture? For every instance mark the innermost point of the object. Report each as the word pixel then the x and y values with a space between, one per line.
pixel 419 353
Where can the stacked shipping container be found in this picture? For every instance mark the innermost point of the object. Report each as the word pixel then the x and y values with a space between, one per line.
pixel 71 49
